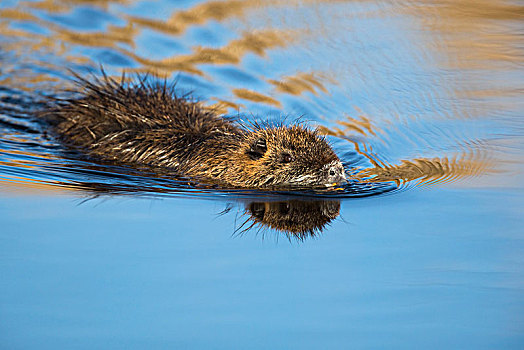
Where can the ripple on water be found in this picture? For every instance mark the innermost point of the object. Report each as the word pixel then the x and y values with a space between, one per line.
pixel 438 106
pixel 28 156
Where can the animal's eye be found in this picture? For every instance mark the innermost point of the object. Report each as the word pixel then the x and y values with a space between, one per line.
pixel 286 158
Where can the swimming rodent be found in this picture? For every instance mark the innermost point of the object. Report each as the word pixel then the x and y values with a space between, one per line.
pixel 148 123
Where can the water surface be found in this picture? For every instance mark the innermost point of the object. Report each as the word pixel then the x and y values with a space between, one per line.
pixel 423 102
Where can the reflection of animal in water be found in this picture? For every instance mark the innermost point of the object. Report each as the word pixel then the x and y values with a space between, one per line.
pixel 147 123
pixel 296 218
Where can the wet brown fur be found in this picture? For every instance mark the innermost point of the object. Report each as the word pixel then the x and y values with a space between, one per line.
pixel 147 123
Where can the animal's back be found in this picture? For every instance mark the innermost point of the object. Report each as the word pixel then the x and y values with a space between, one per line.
pixel 135 122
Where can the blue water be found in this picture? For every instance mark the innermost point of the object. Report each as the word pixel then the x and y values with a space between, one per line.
pixel 169 274
pixel 423 250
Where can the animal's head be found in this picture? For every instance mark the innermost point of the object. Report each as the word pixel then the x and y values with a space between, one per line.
pixel 292 156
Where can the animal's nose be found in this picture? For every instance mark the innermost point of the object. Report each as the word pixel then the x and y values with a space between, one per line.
pixel 336 173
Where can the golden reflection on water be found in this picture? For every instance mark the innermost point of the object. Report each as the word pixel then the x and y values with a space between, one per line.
pixel 429 171
pixel 200 14
pixel 17 185
pixel 255 97
pixel 232 53
pixel 423 171
pixel 25 82
pixel 299 83
pixel 60 6
pixel 473 34
pixel 110 38
pixel 17 15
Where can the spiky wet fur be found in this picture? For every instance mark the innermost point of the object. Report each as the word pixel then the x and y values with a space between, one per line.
pixel 148 123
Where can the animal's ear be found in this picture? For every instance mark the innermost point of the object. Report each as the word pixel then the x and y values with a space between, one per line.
pixel 257 149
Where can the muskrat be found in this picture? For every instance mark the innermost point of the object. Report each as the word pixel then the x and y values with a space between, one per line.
pixel 148 123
